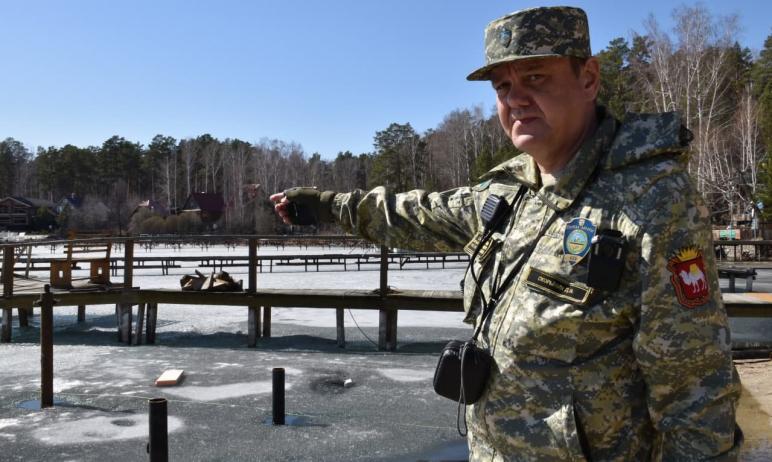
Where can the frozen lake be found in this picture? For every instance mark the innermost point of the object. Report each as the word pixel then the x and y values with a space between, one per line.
pixel 218 412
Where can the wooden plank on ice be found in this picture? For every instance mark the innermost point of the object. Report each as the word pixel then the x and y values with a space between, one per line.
pixel 169 378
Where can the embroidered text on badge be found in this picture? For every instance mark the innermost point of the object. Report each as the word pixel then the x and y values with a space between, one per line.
pixel 577 239
pixel 557 287
pixel 688 277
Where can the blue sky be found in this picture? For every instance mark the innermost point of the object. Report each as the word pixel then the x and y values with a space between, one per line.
pixel 325 74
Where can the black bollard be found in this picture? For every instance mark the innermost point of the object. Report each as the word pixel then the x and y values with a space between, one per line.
pixel 46 347
pixel 278 396
pixel 158 447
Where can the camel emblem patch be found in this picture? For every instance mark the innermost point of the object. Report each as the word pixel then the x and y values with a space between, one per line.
pixel 688 277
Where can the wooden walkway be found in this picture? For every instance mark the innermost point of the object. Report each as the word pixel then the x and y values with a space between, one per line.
pixel 259 304
pixel 22 293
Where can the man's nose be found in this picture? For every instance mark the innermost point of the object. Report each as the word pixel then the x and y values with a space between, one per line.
pixel 517 96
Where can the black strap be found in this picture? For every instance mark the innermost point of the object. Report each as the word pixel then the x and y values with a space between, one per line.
pixel 490 305
pixel 487 234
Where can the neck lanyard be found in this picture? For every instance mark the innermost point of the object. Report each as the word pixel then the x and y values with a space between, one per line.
pixel 490 305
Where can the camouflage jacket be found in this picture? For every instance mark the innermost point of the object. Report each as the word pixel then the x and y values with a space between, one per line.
pixel 642 372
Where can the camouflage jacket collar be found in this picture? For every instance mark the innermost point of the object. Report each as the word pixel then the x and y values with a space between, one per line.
pixel 612 146
pixel 575 174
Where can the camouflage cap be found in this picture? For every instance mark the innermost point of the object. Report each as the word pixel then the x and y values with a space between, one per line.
pixel 535 33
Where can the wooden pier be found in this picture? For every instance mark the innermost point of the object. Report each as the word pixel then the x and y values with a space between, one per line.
pixel 20 293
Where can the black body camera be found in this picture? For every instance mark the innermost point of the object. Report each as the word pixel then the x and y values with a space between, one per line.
pixel 607 260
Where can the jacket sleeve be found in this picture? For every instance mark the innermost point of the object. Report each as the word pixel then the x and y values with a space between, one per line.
pixel 682 344
pixel 438 221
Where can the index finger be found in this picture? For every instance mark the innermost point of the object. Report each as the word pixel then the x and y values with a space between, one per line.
pixel 277 197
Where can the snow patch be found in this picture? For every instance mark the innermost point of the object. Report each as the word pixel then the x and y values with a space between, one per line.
pixel 220 392
pixel 223 365
pixel 9 423
pixel 406 375
pixel 61 385
pixel 99 428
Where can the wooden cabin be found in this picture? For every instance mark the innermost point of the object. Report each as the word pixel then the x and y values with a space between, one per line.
pixel 22 213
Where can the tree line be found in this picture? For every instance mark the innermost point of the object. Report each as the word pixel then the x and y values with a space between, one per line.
pixel 723 91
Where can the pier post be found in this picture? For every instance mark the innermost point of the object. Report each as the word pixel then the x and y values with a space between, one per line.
pixel 125 309
pixel 23 313
pixel 7 277
pixel 8 270
pixel 46 347
pixel 140 323
pixel 387 319
pixel 340 327
pixel 5 334
pixel 267 321
pixel 152 313
pixel 253 311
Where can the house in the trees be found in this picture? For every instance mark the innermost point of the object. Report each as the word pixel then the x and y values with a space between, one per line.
pixel 23 213
pixel 209 206
pixel 153 206
pixel 73 201
pixel 82 213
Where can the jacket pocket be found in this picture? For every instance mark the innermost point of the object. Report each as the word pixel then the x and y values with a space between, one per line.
pixel 568 432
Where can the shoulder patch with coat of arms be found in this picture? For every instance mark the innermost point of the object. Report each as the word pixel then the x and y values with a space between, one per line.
pixel 688 277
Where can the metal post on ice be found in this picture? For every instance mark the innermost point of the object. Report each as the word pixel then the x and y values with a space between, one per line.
pixel 278 396
pixel 158 447
pixel 46 303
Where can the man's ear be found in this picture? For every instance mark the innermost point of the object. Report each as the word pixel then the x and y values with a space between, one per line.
pixel 590 78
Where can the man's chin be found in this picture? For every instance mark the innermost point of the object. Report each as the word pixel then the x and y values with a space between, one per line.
pixel 525 143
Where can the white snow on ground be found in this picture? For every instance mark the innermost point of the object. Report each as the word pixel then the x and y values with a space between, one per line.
pixel 219 392
pixel 407 375
pixel 61 385
pixel 9 423
pixel 210 319
pixel 224 365
pixel 96 428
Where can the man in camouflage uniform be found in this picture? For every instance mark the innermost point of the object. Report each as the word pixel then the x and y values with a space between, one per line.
pixel 638 369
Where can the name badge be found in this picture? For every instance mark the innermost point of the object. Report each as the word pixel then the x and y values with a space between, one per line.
pixel 571 292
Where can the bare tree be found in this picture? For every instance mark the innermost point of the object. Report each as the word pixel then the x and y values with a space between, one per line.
pixel 691 75
pixel 188 151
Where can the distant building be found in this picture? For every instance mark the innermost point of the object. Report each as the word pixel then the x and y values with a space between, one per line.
pixel 73 201
pixel 209 206
pixel 82 213
pixel 153 206
pixel 24 213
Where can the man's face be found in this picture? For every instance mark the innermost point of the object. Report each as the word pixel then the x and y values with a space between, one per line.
pixel 544 107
